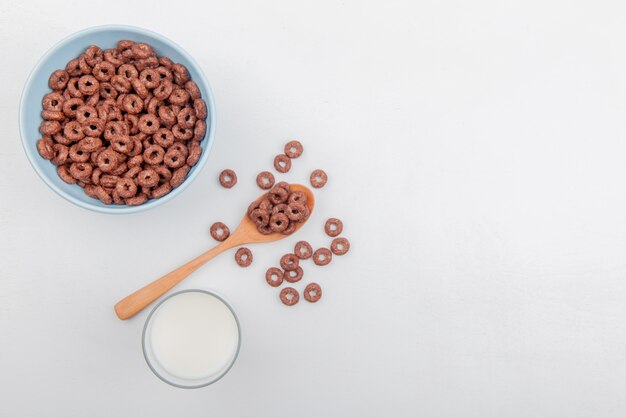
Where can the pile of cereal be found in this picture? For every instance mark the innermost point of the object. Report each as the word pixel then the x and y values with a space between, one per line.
pixel 124 124
pixel 280 210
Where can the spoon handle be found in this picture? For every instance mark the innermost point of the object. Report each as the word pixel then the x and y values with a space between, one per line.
pixel 136 302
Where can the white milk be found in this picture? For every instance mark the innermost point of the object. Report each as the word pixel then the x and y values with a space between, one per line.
pixel 194 335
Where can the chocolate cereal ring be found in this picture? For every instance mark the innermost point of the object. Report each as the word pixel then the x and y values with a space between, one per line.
pixel 228 178
pixel 290 229
pixel 265 180
pixel 293 149
pixel 148 178
pixel 81 171
pixel 289 296
pixel 108 160
pixel 303 250
pixel 167 116
pixel 193 90
pixel 181 133
pixel 181 75
pixel 274 276
pixel 260 217
pixel 219 231
pixel 178 97
pixel 77 155
pixel 149 124
pixel 296 212
pixel 88 85
pixel 318 178
pixel 64 173
pixel 161 191
pixel 282 163
pixel 293 276
pixel 333 227
pixel 243 257
pixel 199 130
pixel 199 105
pixel 50 127
pixel 153 154
pixel 195 151
pixel 93 127
pixel 322 256
pixel 280 208
pixel 277 195
pixel 289 262
pixel 174 158
pixel 53 102
pixel 297 197
pixel 61 153
pixel 186 117
pixel 58 80
pixel 52 115
pixel 103 71
pixel 163 137
pixel 178 176
pixel 140 199
pixel 126 188
pixel 279 222
pixel 340 246
pixel 132 104
pixel 45 148
pixel 312 292
pixel 93 55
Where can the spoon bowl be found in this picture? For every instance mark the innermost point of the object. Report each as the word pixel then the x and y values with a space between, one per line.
pixel 245 233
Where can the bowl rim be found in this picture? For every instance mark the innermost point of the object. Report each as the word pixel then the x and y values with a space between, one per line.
pixel 119 210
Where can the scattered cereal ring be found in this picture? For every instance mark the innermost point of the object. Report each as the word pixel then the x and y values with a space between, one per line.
pixel 293 276
pixel 282 163
pixel 228 178
pixel 303 250
pixel 293 149
pixel 312 292
pixel 318 178
pixel 333 227
pixel 340 246
pixel 289 262
pixel 265 180
pixel 219 231
pixel 274 276
pixel 289 296
pixel 243 257
pixel 322 256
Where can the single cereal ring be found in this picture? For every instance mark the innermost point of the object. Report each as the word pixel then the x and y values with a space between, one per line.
pixel 265 230
pixel 71 106
pixel 195 151
pixel 85 112
pixel 132 170
pixel 166 62
pixel 161 191
pixel 113 56
pixel 312 292
pixel 121 84
pixel 163 137
pixel 142 50
pixel 124 145
pixel 132 104
pixel 81 171
pixel 52 115
pixel 90 144
pixel 199 130
pixel 167 116
pixel 88 85
pixel 103 71
pixel 180 147
pixel 290 229
pixel 50 127
pixel 164 89
pixel 289 296
pixel 77 155
pixel 243 257
pixel 322 256
pixel 181 75
pixel 94 99
pixel 165 175
pixel 178 97
pixel 274 276
pixel 186 117
pixel 277 195
pixel 318 178
pixel 333 227
pixel 93 55
pixel 282 163
pixel 153 106
pixel 181 133
pixel 174 158
pixel 280 208
pixel 108 181
pixel 132 121
pixel 128 71
pixel 114 129
pixel 284 185
pixel 72 89
pixel 103 195
pixel 63 172
pixel 140 199
pixel 126 188
pixel 149 124
pixel 228 178
pixel 296 212
pixel 148 178
pixel 62 139
pixel 293 276
pixel 164 73
pixel 265 180
pixel 117 199
pixel 297 197
pixel 178 177
pixel 93 127
pixel 58 80
pixel 260 217
pixel 45 147
pixel 139 87
pixel 219 231
pixel 108 160
pixel 293 149
pixel 82 64
pixel 279 222
pixel 61 153
pixel 289 262
pixel 193 90
pixel 340 246
pixel 90 190
pixel 153 154
pixel 303 250
pixel 73 69
pixel 53 102
pixel 125 44
pixel 199 105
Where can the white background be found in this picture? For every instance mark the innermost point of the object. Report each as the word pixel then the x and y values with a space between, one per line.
pixel 476 153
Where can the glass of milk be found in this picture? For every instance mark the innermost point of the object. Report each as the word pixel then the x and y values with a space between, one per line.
pixel 191 338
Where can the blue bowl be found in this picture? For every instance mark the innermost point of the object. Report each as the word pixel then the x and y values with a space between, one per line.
pixel 37 86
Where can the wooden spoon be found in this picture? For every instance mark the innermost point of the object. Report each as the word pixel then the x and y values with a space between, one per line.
pixel 246 233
